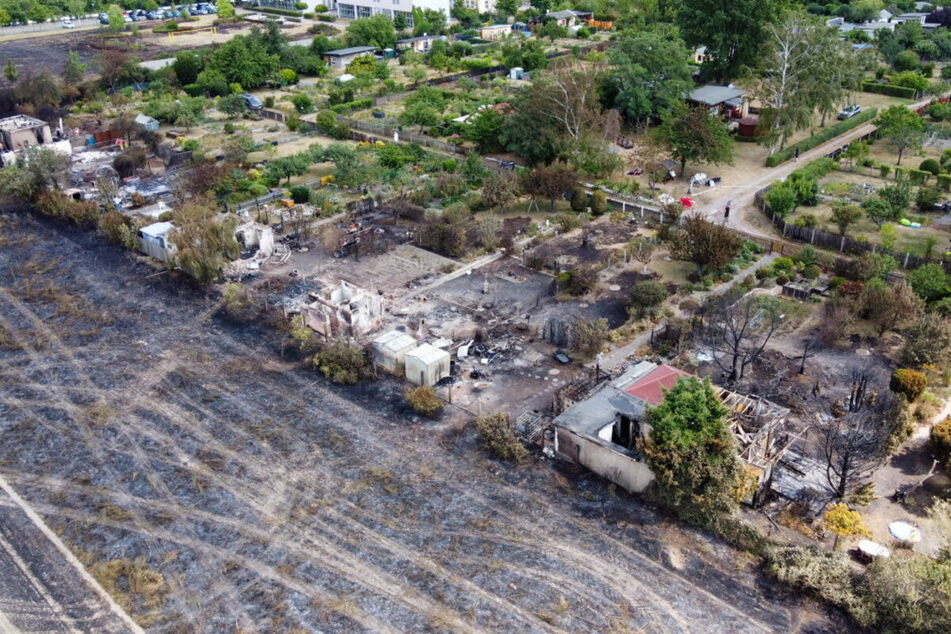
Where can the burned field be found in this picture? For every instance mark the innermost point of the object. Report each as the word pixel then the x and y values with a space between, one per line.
pixel 211 487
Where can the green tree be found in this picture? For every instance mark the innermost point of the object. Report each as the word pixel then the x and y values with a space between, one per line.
pixel 116 19
pixel 646 297
pixel 692 452
pixel 842 521
pixel 187 66
pixel 204 241
pixel 419 114
pixel 73 69
pixel 10 71
pixel 507 7
pixel 649 71
pixel 929 281
pixel 377 30
pixel 232 105
pixel 243 60
pixel 928 341
pixel 696 135
pixel 225 9
pixel 901 128
pixel 844 216
pixel 781 199
pixel 733 32
pixel 483 128
pixel 878 210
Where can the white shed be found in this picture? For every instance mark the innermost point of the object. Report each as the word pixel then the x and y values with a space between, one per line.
pixel 154 241
pixel 426 365
pixel 389 350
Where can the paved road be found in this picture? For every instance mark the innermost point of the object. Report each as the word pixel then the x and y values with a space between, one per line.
pixel 46 28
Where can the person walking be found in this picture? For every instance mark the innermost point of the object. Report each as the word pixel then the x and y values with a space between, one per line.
pixel 797 155
pixel 726 210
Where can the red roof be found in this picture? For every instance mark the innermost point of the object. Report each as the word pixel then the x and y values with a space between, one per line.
pixel 649 387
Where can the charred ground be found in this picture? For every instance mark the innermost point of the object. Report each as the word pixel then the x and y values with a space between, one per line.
pixel 212 487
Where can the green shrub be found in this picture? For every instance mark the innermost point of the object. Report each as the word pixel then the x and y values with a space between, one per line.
pixel 269 101
pixel 499 438
pixel 302 103
pixel 782 280
pixel 579 199
pixel 599 202
pixel 888 89
pixel 931 166
pixel 342 363
pixel 944 182
pixel 646 296
pixel 941 441
pixel 911 383
pixel 810 272
pixel 783 264
pixel 818 139
pixel 424 401
pixel 300 193
pixel 884 170
pixel 326 120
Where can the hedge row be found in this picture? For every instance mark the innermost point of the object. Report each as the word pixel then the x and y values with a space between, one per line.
pixel 818 139
pixel 287 12
pixel 889 89
pixel 359 104
pixel 816 169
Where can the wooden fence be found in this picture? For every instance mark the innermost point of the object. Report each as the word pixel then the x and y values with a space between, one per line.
pixel 840 243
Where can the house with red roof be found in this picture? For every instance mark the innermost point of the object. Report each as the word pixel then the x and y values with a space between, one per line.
pixel 602 431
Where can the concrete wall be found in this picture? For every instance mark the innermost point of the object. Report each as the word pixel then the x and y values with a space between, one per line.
pixel 605 459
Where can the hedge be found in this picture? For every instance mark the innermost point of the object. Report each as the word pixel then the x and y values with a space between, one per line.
pixel 326 17
pixel 359 104
pixel 816 169
pixel 944 181
pixel 818 139
pixel 889 89
pixel 287 12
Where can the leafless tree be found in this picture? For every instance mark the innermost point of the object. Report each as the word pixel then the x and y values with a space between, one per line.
pixel 809 347
pixel 738 331
pixel 568 94
pixel 854 435
pixel 641 248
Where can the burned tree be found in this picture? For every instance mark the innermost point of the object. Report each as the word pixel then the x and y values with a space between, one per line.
pixel 738 331
pixel 854 436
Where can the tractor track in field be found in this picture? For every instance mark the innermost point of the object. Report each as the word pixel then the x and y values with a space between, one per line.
pixel 270 500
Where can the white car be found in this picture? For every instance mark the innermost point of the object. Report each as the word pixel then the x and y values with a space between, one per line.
pixel 69 24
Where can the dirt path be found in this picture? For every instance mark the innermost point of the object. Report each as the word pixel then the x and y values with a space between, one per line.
pixel 247 481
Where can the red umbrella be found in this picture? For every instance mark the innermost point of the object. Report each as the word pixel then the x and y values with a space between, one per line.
pixel 686 202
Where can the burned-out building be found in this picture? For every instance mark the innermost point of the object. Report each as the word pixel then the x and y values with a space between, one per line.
pixel 20 131
pixel 344 310
pixel 602 431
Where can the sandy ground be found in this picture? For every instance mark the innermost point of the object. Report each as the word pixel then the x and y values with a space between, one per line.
pixel 268 500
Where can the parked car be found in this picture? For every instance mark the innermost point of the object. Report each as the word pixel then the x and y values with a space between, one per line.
pixel 68 24
pixel 252 102
pixel 562 357
pixel 944 205
pixel 850 111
